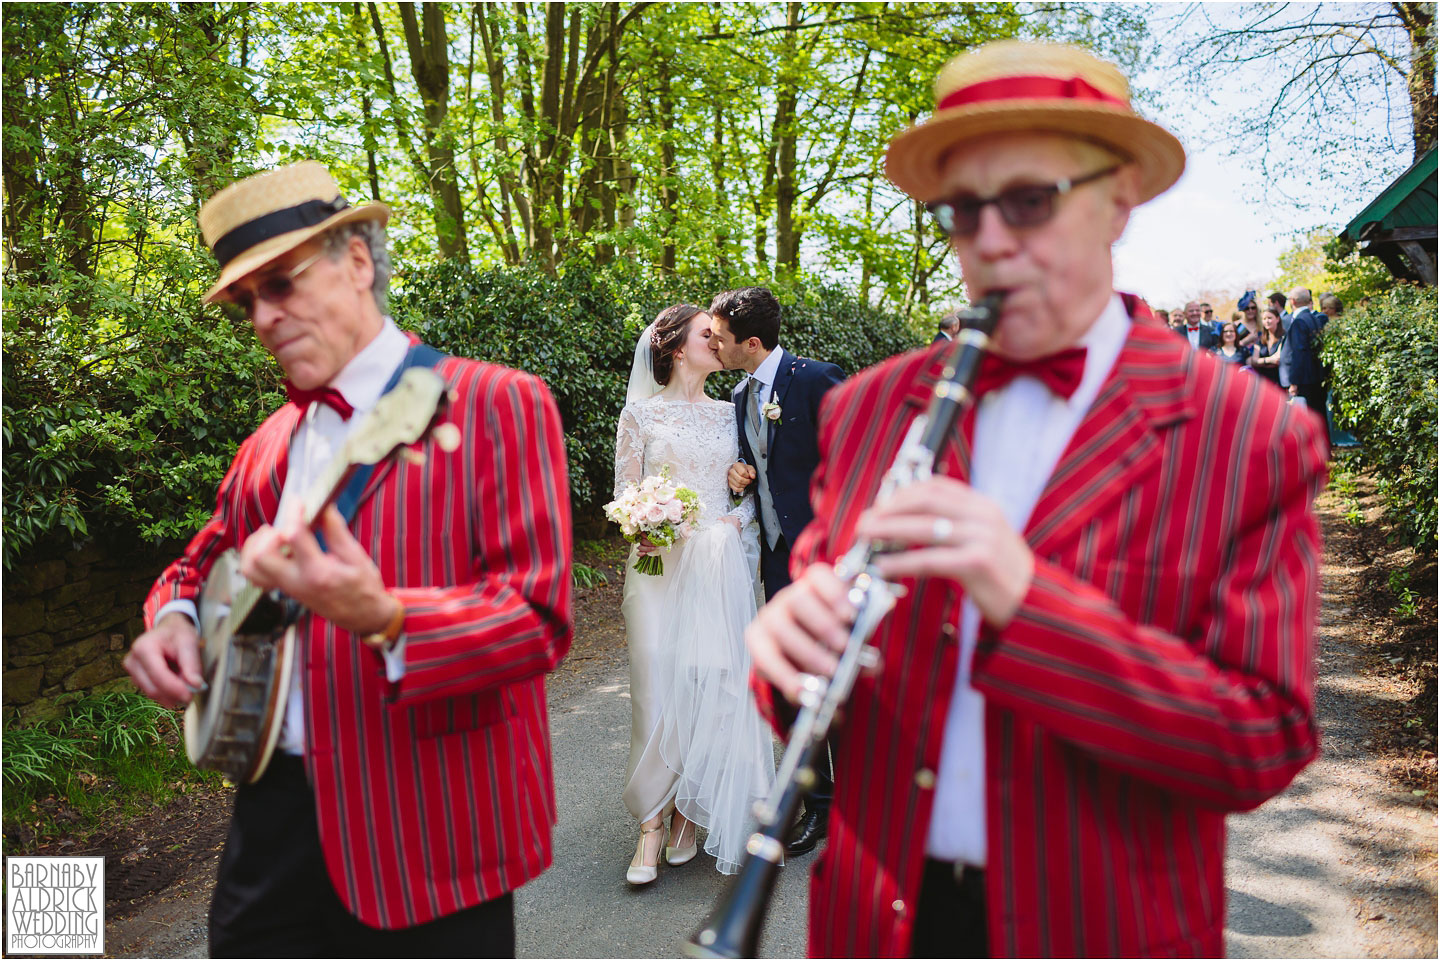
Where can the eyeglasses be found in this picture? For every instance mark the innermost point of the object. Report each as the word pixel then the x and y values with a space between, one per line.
pixel 273 289
pixel 1027 206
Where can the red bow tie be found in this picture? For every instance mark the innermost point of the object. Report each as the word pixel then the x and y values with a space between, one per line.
pixel 324 395
pixel 1061 372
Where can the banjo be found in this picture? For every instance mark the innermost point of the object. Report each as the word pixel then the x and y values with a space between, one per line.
pixel 247 635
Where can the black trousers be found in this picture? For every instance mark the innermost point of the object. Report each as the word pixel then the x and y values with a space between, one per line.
pixel 950 918
pixel 775 574
pixel 1316 396
pixel 273 896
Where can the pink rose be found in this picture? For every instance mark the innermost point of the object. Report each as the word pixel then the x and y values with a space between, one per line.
pixel 655 514
pixel 674 511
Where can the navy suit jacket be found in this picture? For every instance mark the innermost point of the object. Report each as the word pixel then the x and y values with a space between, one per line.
pixel 1209 339
pixel 1300 350
pixel 793 440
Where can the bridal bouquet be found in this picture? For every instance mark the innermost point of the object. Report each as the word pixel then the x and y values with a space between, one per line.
pixel 656 508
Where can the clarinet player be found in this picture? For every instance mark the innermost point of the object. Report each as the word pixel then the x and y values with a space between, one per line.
pixel 1106 640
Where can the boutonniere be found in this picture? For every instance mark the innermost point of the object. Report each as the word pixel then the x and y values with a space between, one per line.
pixel 771 411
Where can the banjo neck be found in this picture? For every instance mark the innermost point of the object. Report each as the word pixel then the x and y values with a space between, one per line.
pixel 402 416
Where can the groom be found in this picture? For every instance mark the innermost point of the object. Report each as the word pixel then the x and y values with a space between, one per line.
pixel 777 410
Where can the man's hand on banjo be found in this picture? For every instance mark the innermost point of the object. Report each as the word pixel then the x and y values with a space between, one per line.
pixel 341 584
pixel 164 662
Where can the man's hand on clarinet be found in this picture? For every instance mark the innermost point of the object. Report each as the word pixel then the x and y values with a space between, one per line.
pixel 939 528
pixel 740 476
pixel 164 662
pixel 945 528
pixel 802 630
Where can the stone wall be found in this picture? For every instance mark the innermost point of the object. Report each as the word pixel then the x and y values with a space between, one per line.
pixel 68 621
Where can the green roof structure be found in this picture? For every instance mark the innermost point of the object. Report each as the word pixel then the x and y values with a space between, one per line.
pixel 1398 226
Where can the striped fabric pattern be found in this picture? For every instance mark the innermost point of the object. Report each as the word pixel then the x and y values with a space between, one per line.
pixel 434 793
pixel 1158 674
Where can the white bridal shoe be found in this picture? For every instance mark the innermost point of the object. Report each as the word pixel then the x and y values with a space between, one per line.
pixel 676 854
pixel 639 872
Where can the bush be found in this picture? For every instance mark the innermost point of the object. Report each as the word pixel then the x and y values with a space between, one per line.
pixel 123 409
pixel 1383 361
pixel 577 331
pixel 125 420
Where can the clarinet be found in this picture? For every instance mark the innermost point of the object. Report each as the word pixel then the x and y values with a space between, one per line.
pixel 733 928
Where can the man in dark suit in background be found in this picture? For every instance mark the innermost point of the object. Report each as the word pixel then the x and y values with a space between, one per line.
pixel 949 324
pixel 1201 335
pixel 1300 370
pixel 777 408
pixel 1277 300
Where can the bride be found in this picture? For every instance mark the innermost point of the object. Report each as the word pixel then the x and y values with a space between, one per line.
pixel 698 747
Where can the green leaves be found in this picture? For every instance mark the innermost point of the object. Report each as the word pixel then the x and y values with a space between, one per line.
pixel 576 330
pixel 1383 360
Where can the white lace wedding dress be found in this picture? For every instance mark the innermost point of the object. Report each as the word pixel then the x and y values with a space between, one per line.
pixel 696 737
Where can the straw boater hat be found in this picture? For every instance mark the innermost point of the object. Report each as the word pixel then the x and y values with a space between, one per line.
pixel 255 220
pixel 1014 86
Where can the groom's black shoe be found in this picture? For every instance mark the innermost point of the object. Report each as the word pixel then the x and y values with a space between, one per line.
pixel 810 829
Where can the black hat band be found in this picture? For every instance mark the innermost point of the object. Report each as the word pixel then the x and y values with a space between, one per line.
pixel 261 229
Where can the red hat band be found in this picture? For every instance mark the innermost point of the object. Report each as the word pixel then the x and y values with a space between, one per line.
pixel 1027 88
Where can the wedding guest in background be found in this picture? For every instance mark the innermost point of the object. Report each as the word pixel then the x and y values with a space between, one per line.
pixel 1301 371
pixel 1230 349
pixel 1201 335
pixel 1265 355
pixel 949 324
pixel 1277 300
pixel 1207 316
pixel 1331 306
pixel 1249 309
pixel 1163 316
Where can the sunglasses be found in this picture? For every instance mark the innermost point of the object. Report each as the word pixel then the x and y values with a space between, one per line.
pixel 1027 206
pixel 272 289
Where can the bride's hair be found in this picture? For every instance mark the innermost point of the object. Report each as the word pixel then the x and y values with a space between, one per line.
pixel 672 326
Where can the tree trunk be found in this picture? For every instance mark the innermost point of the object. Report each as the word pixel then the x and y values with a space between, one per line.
pixel 787 244
pixel 510 189
pixel 372 170
pixel 722 199
pixel 1419 20
pixel 864 291
pixel 668 190
pixel 430 66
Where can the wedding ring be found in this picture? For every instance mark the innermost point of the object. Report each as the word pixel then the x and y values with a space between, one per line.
pixel 941 530
pixel 286 552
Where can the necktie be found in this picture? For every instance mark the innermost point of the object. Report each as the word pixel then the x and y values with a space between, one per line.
pixel 1061 372
pixel 326 395
pixel 761 435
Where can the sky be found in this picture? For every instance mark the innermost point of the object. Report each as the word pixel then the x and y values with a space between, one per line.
pixel 1219 228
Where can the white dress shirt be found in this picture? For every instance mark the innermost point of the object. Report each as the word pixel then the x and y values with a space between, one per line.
pixel 765 374
pixel 1020 432
pixel 319 436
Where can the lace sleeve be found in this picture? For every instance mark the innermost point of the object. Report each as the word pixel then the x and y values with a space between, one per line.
pixel 629 451
pixel 745 510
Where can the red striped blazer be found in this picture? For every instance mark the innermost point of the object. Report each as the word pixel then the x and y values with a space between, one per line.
pixel 434 793
pixel 1157 675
